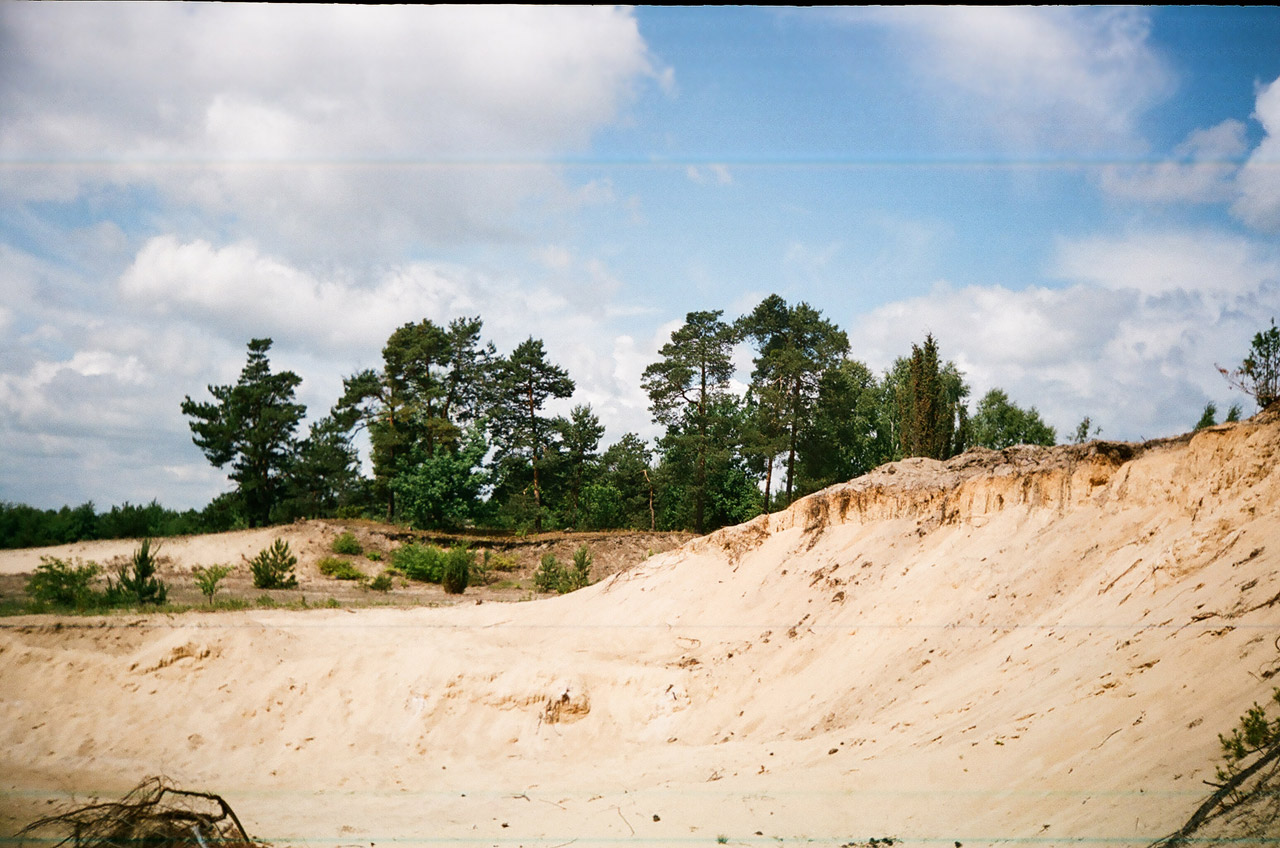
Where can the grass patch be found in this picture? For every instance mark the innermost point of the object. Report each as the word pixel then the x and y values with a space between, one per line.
pixel 340 569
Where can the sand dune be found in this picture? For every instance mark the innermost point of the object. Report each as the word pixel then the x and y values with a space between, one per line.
pixel 1035 644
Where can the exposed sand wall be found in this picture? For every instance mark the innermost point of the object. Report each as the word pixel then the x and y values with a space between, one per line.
pixel 1032 644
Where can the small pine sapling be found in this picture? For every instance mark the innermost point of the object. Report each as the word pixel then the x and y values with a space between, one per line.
pixel 137 578
pixel 273 567
pixel 208 578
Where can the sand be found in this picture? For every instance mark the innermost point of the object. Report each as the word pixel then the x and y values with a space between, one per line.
pixel 1034 645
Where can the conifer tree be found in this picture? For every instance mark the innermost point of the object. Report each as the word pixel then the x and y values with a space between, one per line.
pixel 251 427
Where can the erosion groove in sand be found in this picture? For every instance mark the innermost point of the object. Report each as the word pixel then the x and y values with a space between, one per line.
pixel 1034 644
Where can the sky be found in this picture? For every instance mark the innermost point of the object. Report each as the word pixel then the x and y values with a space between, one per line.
pixel 1080 204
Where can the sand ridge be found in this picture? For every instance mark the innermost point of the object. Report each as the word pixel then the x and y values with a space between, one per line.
pixel 1030 644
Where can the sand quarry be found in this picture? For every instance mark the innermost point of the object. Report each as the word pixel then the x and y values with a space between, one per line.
pixel 1034 645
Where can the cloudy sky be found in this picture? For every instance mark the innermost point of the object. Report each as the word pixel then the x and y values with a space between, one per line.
pixel 1080 204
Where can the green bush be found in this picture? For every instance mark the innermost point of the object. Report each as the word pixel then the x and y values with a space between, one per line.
pixel 420 562
pixel 208 578
pixel 551 576
pixel 138 583
pixel 374 556
pixel 502 562
pixel 340 569
pixel 273 567
pixel 381 583
pixel 62 584
pixel 457 569
pixel 347 544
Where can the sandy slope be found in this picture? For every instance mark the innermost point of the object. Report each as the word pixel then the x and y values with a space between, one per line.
pixel 1038 644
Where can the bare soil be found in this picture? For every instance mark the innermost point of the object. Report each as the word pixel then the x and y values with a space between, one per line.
pixel 312 541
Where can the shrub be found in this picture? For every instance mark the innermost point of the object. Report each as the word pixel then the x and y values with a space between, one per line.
pixel 374 556
pixel 340 569
pixel 457 569
pixel 60 583
pixel 551 576
pixel 208 578
pixel 381 583
pixel 137 579
pixel 273 567
pixel 502 562
pixel 420 562
pixel 347 544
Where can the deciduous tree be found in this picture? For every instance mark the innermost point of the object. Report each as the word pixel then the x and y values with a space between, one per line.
pixel 1259 375
pixel 999 423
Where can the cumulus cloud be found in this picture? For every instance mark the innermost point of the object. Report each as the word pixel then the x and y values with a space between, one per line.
pixel 302 121
pixel 1202 169
pixel 1038 78
pixel 1258 183
pixel 1137 326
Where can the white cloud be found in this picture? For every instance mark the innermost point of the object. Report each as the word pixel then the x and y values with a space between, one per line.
pixel 321 126
pixel 1163 263
pixel 1258 183
pixel 1202 169
pixel 1132 337
pixel 1041 78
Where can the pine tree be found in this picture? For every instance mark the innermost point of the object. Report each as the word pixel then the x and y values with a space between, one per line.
pixel 251 427
pixel 683 388
pixel 524 382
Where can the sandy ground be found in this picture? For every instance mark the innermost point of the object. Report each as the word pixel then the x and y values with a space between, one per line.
pixel 1035 646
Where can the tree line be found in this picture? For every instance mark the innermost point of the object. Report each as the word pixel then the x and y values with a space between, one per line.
pixel 460 437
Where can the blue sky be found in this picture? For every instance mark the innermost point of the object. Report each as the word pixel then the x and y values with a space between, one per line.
pixel 1081 204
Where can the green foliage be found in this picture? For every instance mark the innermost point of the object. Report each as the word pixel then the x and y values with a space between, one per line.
pixel 1083 433
pixel 273 567
pixel 136 579
pixel 347 544
pixel 1259 374
pixel 1255 734
pixel 580 436
pixel 684 388
pixel 24 526
pixel 457 569
pixel 1208 418
pixel 424 563
pixel 523 383
pixel 374 556
pixel 381 583
pixel 443 490
pixel 432 383
pixel 501 562
pixel 208 578
pixel 795 346
pixel 847 436
pixel 322 474
pixel 64 584
pixel 251 427
pixel 581 567
pixel 999 423
pixel 621 494
pixel 930 401
pixel 552 576
pixel 1233 413
pixel 339 569
pixel 728 493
